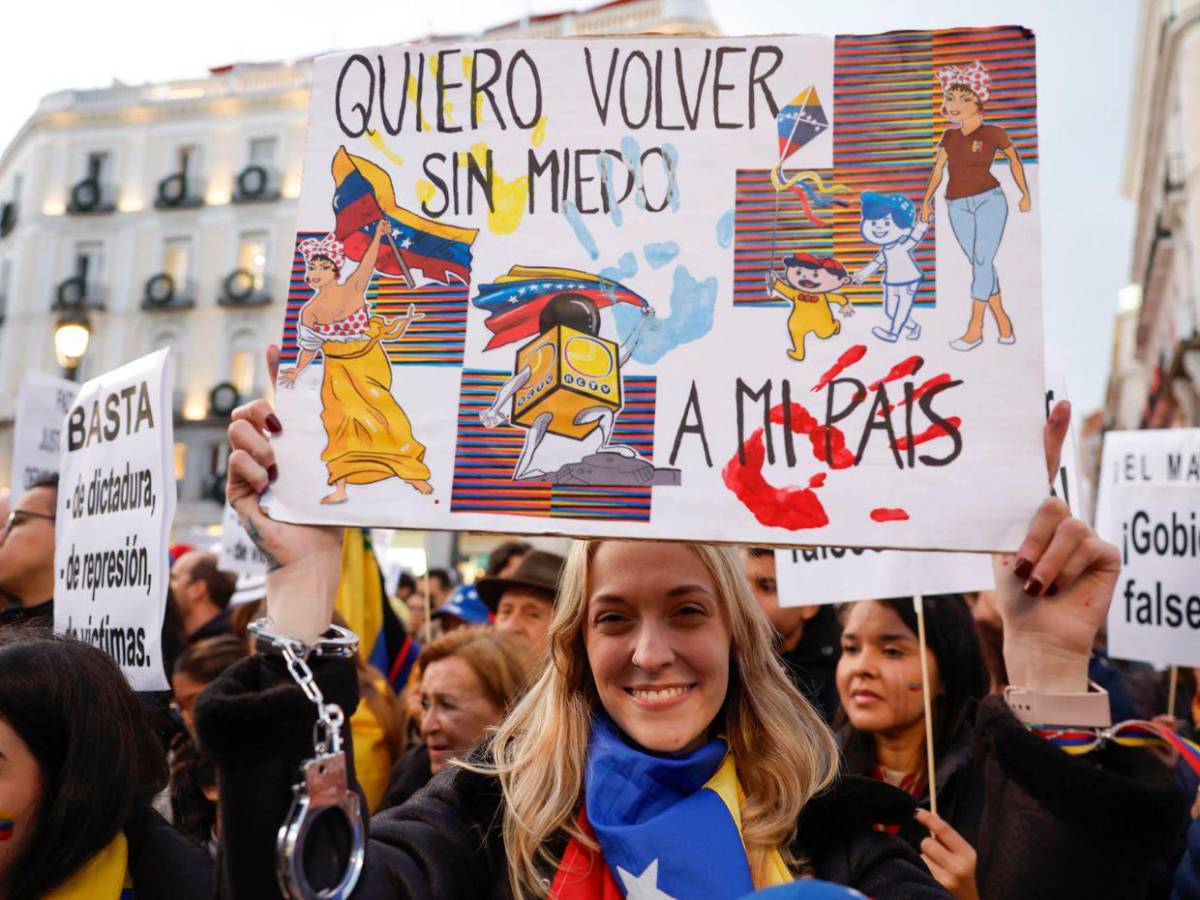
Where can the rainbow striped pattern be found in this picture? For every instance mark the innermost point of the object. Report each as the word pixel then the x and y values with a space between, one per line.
pixel 484 460
pixel 436 340
pixel 1133 733
pixel 887 123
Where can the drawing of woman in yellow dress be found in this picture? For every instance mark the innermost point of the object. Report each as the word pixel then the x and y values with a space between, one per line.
pixel 370 438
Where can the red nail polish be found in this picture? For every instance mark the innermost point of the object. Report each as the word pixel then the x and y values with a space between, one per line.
pixel 272 472
pixel 273 424
pixel 1023 568
pixel 1052 590
pixel 1033 587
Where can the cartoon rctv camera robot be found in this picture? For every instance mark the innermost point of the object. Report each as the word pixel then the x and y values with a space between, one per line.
pixel 567 382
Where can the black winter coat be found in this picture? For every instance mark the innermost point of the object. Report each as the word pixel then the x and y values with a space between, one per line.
pixel 446 841
pixel 410 773
pixel 163 864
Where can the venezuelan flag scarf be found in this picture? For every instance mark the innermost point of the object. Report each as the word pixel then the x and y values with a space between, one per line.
pixel 667 826
pixel 101 878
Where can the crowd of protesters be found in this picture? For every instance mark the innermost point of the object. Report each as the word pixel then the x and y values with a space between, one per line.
pixel 558 712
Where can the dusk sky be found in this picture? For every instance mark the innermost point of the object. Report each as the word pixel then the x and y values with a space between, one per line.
pixel 1082 115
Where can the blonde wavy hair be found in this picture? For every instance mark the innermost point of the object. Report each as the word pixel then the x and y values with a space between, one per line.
pixel 783 749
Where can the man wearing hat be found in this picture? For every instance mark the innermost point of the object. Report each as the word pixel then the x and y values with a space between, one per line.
pixel 524 601
pixel 809 284
pixel 463 608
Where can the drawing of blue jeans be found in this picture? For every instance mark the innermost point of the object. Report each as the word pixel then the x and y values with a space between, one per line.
pixel 978 223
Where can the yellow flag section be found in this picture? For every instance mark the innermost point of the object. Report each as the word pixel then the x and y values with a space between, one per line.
pixel 101 878
pixel 766 872
pixel 360 594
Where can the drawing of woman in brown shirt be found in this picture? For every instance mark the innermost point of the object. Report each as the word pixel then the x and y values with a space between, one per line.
pixel 975 201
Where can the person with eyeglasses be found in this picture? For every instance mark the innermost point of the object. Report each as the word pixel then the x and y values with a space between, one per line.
pixel 27 557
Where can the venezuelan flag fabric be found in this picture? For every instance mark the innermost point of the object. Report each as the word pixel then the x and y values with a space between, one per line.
pixel 514 301
pixel 667 826
pixel 364 194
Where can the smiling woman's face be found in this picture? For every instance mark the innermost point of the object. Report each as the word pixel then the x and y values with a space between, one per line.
pixel 320 273
pixel 960 103
pixel 879 671
pixel 657 642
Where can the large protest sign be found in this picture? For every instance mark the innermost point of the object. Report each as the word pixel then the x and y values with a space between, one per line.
pixel 42 404
pixel 1155 613
pixel 1169 457
pixel 1149 494
pixel 671 287
pixel 116 500
pixel 816 575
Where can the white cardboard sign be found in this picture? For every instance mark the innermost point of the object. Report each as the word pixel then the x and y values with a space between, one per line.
pixel 116 500
pixel 668 287
pixel 1148 503
pixel 42 404
pixel 1166 456
pixel 1155 613
pixel 238 553
pixel 816 575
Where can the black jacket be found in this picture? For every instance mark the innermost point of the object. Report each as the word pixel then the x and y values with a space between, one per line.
pixel 1048 825
pixel 446 841
pixel 163 864
pixel 40 616
pixel 410 773
pixel 812 663
pixel 960 786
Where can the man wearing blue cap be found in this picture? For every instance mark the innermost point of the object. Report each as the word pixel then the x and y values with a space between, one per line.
pixel 463 608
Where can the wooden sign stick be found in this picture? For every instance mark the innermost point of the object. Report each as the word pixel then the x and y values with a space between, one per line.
pixel 928 700
pixel 1174 686
pixel 428 604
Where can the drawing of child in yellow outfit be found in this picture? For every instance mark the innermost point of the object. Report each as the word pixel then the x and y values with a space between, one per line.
pixel 809 284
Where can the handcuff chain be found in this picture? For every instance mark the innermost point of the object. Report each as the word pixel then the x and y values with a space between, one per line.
pixel 327 730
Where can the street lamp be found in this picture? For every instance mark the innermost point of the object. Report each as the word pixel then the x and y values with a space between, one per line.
pixel 71 338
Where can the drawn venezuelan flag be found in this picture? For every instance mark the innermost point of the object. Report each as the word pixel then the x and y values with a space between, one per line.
pixel 364 194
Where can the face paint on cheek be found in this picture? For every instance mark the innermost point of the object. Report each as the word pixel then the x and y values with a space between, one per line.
pixel 6 829
pixel 914 685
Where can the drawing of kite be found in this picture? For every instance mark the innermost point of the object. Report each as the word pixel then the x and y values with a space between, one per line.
pixel 799 122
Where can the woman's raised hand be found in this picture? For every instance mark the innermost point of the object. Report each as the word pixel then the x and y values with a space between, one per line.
pixel 304 560
pixel 1053 595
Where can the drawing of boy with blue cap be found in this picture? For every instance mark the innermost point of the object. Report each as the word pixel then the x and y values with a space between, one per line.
pixel 889 221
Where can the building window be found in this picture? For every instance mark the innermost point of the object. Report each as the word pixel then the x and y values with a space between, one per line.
pixel 242 372
pixel 177 259
pixel 262 151
pixel 180 460
pixel 187 159
pixel 99 164
pixel 89 262
pixel 252 256
pixel 5 284
pixel 245 350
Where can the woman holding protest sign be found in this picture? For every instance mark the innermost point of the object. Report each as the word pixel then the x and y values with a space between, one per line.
pixel 883 729
pixel 663 745
pixel 79 766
